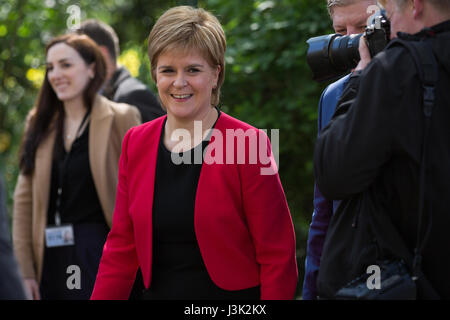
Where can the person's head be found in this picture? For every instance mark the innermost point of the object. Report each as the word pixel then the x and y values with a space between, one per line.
pixel 349 16
pixel 75 73
pixel 105 36
pixel 186 48
pixel 75 68
pixel 411 16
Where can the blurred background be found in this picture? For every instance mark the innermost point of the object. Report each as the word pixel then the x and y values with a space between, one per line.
pixel 268 83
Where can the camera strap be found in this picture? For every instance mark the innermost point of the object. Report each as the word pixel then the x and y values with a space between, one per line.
pixel 427 67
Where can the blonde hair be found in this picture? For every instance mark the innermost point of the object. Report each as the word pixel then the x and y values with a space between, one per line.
pixel 331 4
pixel 189 28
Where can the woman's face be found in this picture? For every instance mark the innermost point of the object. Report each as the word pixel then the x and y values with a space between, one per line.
pixel 67 72
pixel 185 81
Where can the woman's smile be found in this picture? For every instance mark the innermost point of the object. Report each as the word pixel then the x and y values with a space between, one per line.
pixel 185 83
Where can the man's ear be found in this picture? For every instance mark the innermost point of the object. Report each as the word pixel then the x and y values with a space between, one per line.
pixel 105 53
pixel 417 7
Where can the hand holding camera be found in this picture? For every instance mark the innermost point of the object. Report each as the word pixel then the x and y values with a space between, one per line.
pixel 364 53
pixel 332 56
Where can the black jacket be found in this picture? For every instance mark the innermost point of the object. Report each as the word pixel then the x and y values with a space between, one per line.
pixel 371 151
pixel 122 87
pixel 10 280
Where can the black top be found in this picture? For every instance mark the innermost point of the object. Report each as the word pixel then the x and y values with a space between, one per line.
pixel 79 199
pixel 178 270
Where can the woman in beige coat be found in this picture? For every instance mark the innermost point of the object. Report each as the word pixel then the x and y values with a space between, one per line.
pixel 65 194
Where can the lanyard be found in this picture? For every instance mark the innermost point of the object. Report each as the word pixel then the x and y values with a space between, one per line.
pixel 62 169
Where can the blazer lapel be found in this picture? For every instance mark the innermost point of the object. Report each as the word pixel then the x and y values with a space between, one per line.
pixel 141 188
pixel 99 132
pixel 42 176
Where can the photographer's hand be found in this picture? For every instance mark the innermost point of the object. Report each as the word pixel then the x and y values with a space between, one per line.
pixel 364 53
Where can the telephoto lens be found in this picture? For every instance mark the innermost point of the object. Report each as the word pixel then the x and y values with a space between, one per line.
pixel 332 56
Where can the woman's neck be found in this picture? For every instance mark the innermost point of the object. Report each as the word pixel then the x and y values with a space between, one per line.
pixel 196 130
pixel 74 109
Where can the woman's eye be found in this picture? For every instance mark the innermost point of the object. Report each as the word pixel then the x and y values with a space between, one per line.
pixel 193 70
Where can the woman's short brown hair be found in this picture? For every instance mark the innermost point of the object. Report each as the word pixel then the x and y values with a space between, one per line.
pixel 189 28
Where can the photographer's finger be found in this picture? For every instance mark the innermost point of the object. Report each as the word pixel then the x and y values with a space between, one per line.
pixel 364 54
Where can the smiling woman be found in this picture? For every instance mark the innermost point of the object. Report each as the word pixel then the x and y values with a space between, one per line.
pixel 68 74
pixel 197 230
pixel 185 82
pixel 68 168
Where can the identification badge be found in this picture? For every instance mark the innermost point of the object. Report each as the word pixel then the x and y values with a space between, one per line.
pixel 59 236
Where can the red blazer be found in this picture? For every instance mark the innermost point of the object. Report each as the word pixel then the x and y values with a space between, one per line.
pixel 242 221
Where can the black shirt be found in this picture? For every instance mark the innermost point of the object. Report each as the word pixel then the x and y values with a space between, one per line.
pixel 178 270
pixel 79 199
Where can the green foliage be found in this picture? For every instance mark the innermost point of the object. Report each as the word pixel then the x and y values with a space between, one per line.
pixel 268 83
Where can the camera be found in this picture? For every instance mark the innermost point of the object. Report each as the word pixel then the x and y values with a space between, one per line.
pixel 332 56
pixel 396 283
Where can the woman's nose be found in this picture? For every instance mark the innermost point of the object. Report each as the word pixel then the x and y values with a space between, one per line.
pixel 55 73
pixel 180 81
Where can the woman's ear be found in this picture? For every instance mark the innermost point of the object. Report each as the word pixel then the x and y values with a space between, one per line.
pixel 91 70
pixel 218 70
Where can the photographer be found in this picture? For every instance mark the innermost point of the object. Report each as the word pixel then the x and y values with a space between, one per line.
pixel 370 153
pixel 348 17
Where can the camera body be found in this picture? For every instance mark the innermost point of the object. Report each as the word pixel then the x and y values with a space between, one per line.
pixel 332 56
pixel 396 283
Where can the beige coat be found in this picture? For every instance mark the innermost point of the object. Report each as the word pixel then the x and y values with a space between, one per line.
pixel 109 123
